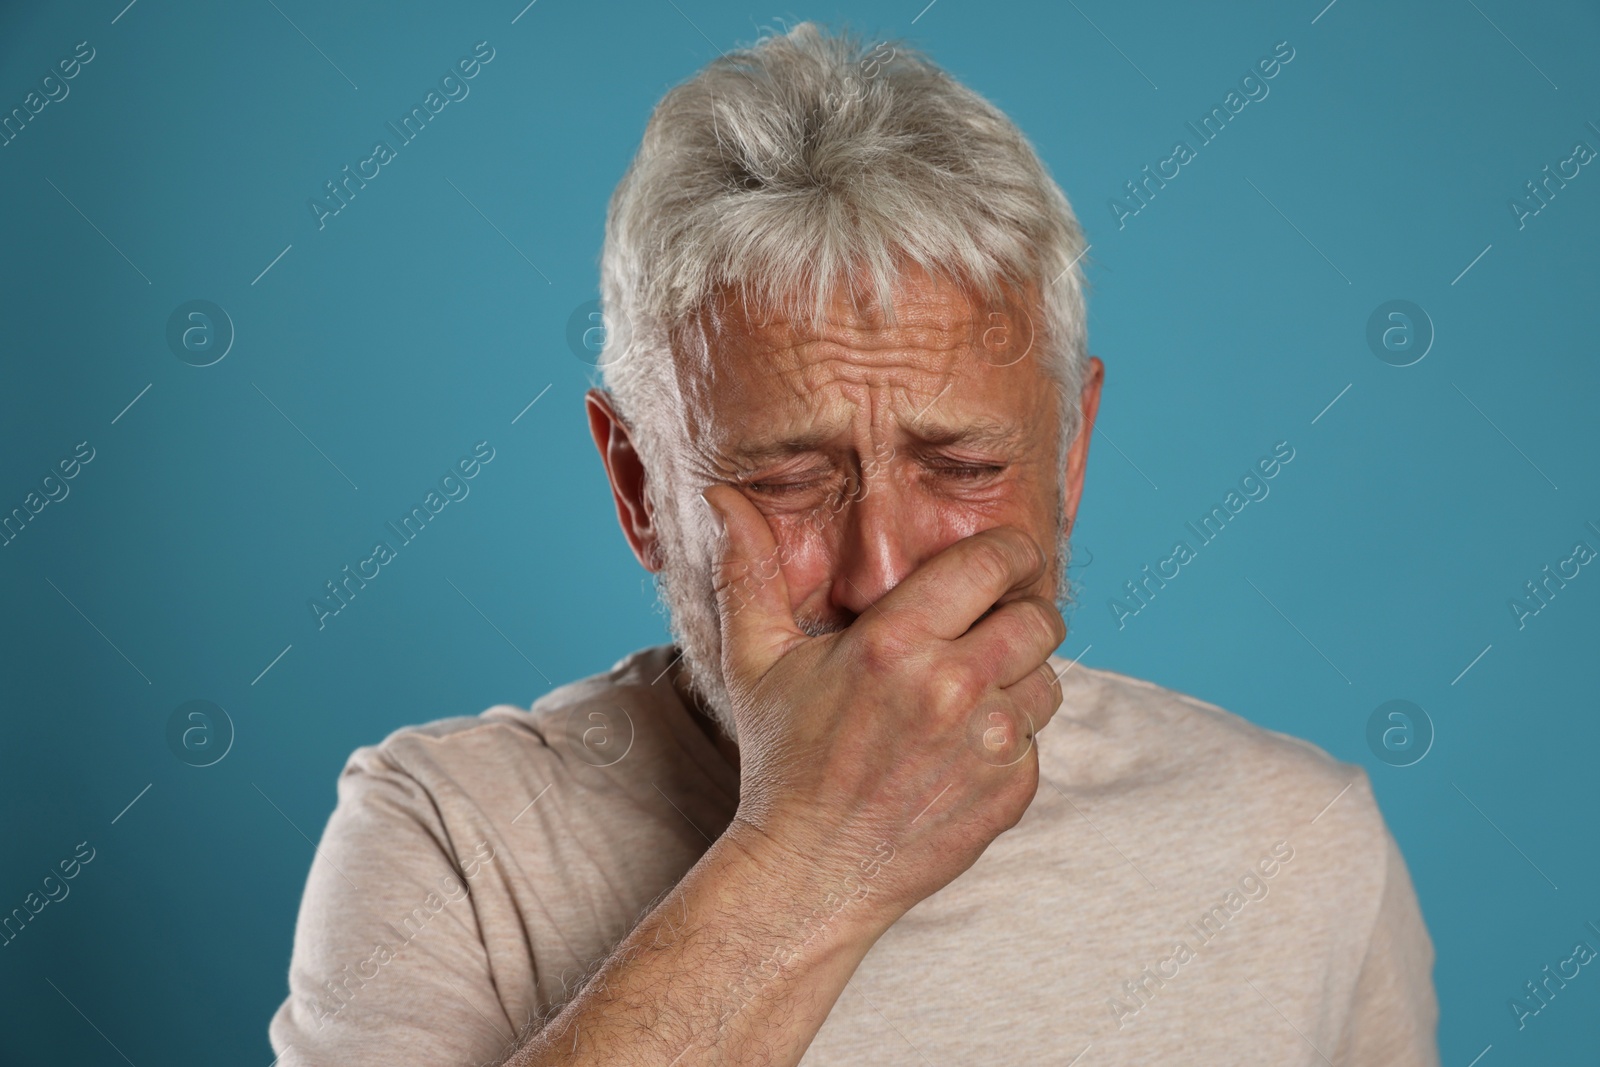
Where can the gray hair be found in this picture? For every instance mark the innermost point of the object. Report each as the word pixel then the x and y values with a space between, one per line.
pixel 807 159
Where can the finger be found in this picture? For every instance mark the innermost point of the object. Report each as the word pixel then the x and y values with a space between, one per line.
pixel 944 596
pixel 1015 638
pixel 758 624
pixel 1001 731
pixel 1038 695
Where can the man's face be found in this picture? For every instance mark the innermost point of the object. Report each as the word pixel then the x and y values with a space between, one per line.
pixel 869 448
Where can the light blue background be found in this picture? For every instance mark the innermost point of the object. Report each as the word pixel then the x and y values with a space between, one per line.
pixel 1416 506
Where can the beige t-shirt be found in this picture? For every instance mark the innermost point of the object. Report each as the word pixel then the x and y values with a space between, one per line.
pixel 1186 887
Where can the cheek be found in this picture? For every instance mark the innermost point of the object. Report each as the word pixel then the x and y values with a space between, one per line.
pixel 954 515
pixel 806 548
pixel 959 522
pixel 1027 504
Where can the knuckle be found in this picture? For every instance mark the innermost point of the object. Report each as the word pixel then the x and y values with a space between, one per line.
pixel 955 688
pixel 729 577
pixel 1048 689
pixel 1054 621
pixel 727 592
pixel 1021 547
pixel 1044 622
pixel 882 650
pixel 1035 694
pixel 991 561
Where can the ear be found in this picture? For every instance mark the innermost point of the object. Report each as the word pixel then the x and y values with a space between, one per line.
pixel 1078 454
pixel 627 474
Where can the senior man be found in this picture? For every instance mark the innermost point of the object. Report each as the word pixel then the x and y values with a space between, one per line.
pixel 846 422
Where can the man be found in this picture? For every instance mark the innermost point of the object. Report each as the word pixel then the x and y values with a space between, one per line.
pixel 847 417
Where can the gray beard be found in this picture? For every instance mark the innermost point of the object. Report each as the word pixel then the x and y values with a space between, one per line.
pixel 685 593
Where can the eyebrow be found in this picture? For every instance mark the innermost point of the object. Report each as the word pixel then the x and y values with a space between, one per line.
pixel 976 435
pixel 767 449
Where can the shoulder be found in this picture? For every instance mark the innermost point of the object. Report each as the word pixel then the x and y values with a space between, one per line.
pixel 505 748
pixel 1205 770
pixel 1163 733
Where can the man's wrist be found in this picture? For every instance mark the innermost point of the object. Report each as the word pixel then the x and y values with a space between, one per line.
pixel 840 896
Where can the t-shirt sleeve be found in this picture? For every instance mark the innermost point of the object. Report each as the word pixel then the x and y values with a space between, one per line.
pixel 389 965
pixel 1394 1015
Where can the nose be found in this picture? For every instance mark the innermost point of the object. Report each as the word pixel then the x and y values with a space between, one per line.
pixel 878 546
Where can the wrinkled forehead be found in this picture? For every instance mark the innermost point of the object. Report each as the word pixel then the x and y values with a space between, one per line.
pixel 947 363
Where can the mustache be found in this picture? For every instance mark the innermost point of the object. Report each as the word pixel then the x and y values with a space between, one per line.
pixel 815 627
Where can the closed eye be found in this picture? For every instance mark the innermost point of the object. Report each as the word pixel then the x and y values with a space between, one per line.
pixel 775 488
pixel 797 481
pixel 967 471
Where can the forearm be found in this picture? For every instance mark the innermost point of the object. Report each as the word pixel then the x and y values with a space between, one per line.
pixel 739 964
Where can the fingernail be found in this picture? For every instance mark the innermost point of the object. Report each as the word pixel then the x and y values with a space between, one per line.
pixel 716 516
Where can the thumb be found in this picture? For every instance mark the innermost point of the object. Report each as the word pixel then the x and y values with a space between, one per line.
pixel 752 597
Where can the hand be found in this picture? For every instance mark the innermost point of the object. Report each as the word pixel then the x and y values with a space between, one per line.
pixel 913 727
